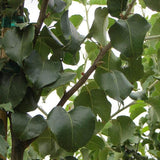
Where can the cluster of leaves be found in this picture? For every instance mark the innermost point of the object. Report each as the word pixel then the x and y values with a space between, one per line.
pixel 85 129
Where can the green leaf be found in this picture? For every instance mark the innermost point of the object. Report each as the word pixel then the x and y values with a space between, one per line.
pixel 18 43
pixel 97 2
pixel 41 72
pixel 139 95
pixel 7 107
pixel 127 36
pixel 114 83
pixel 64 78
pixel 74 129
pixel 154 102
pixel 3 146
pixel 92 50
pixel 134 71
pixel 25 127
pixel 136 109
pixel 153 4
pixel 56 6
pixel 96 100
pixel 76 20
pixel 99 26
pixel 95 143
pixel 12 88
pixel 116 7
pixel 45 143
pixel 122 129
pixel 48 37
pixel 73 38
pixel 29 102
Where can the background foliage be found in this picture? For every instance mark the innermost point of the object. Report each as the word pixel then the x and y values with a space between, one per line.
pixel 38 60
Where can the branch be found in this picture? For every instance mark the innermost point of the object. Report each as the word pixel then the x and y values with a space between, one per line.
pixel 103 51
pixel 41 18
pixel 85 76
pixel 120 110
pixel 152 37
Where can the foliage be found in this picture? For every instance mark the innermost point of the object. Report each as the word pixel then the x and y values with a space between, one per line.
pixel 33 64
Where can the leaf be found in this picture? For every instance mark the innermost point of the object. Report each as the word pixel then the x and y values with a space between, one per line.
pixel 127 36
pixel 41 72
pixel 3 146
pixel 114 83
pixel 45 143
pixel 29 102
pixel 154 102
pixel 134 71
pixel 7 107
pixel 97 2
pixel 64 78
pixel 12 88
pixel 18 43
pixel 72 130
pixel 99 26
pixel 50 39
pixel 96 100
pixel 122 129
pixel 153 4
pixel 25 127
pixel 139 95
pixel 136 109
pixel 95 143
pixel 56 6
pixel 116 7
pixel 73 38
pixel 76 20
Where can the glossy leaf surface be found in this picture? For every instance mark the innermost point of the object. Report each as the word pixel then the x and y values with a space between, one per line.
pixel 127 36
pixel 96 100
pixel 25 127
pixel 72 130
pixel 18 43
pixel 41 72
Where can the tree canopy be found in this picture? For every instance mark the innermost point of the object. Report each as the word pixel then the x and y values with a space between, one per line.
pixel 87 127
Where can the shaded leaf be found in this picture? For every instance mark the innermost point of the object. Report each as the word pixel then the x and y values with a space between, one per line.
pixel 56 6
pixel 3 146
pixel 139 95
pixel 41 72
pixel 7 107
pixel 153 4
pixel 18 43
pixel 25 127
pixel 95 143
pixel 69 128
pixel 127 36
pixel 73 38
pixel 116 7
pixel 99 26
pixel 96 100
pixel 114 83
pixel 122 129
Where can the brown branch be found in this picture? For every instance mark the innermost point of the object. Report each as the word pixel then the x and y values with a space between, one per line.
pixel 103 51
pixel 41 18
pixel 85 76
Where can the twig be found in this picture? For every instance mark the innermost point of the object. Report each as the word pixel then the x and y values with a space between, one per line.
pixel 85 76
pixel 41 18
pixel 44 112
pixel 130 6
pixel 152 37
pixel 122 109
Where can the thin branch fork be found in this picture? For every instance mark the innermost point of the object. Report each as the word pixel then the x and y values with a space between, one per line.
pixel 41 18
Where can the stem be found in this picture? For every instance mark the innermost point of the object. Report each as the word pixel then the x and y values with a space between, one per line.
pixel 85 76
pixel 41 18
pixel 43 111
pixel 87 21
pixel 122 109
pixel 152 37
pixel 153 84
